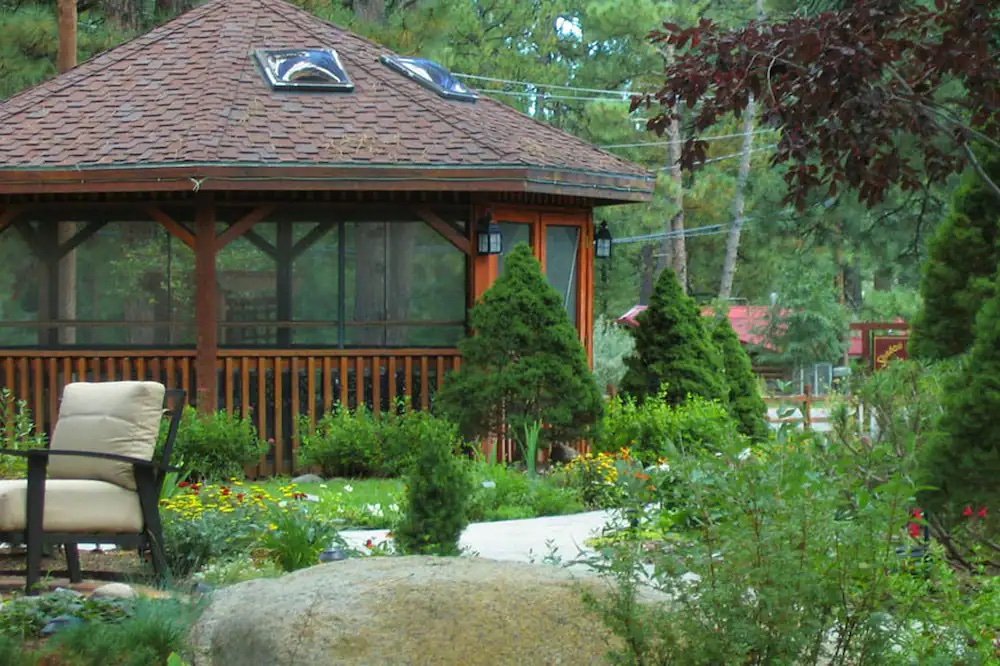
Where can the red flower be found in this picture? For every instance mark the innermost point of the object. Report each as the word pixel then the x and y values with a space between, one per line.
pixel 183 484
pixel 369 544
pixel 298 496
pixel 240 497
pixel 982 512
pixel 914 530
pixel 225 491
pixel 967 512
pixel 918 513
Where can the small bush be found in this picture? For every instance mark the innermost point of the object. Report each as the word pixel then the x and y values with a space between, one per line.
pixel 191 543
pixel 344 442
pixel 357 443
pixel 24 617
pixel 153 630
pixel 295 536
pixel 437 497
pixel 612 344
pixel 17 431
pixel 237 569
pixel 594 478
pixel 655 429
pixel 503 493
pixel 215 446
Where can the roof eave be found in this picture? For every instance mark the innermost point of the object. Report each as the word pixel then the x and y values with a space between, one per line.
pixel 605 187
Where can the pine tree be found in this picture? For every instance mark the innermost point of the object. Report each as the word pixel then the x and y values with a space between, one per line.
pixel 525 363
pixel 958 275
pixel 964 465
pixel 745 402
pixel 673 349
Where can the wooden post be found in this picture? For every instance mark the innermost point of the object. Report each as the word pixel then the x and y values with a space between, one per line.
pixel 206 307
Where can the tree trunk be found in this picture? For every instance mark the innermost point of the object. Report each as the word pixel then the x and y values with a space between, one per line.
pixel 647 272
pixel 678 253
pixel 372 11
pixel 66 58
pixel 739 204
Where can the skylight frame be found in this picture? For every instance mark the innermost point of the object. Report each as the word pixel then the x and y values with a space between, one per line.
pixel 400 64
pixel 264 56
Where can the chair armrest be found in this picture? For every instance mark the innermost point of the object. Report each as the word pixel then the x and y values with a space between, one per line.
pixel 46 453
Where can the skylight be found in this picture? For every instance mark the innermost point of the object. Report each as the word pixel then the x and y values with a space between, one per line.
pixel 307 69
pixel 431 75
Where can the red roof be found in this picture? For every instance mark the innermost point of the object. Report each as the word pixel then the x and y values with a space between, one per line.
pixel 189 95
pixel 747 320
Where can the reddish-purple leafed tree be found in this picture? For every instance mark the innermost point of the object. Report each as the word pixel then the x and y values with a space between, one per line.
pixel 880 94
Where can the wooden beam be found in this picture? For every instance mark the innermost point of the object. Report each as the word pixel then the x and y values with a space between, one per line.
pixel 451 233
pixel 79 238
pixel 206 312
pixel 173 227
pixel 311 238
pixel 243 225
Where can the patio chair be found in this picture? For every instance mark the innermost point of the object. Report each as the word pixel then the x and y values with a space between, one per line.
pixel 103 483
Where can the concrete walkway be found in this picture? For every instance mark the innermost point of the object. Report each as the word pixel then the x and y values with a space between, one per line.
pixel 528 540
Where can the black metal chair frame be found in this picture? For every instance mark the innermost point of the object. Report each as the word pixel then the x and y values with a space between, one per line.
pixel 149 477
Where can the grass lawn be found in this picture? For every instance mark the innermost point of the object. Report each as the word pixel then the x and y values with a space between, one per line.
pixel 372 503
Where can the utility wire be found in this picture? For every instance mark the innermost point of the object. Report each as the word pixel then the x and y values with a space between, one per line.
pixel 548 85
pixel 545 95
pixel 727 157
pixel 707 137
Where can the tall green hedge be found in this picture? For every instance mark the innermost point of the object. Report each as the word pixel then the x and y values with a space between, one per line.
pixel 524 364
pixel 964 254
pixel 745 401
pixel 673 349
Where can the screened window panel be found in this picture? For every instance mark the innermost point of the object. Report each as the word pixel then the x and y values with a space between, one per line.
pixel 21 276
pixel 512 233
pixel 315 285
pixel 248 290
pixel 562 245
pixel 127 283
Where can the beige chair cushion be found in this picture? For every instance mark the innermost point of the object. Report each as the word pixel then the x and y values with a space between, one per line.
pixel 111 417
pixel 81 506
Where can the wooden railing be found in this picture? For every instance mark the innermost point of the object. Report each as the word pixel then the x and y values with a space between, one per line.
pixel 272 387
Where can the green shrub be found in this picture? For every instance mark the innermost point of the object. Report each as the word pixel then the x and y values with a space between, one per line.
pixel 612 343
pixel 504 493
pixel 963 465
pixel 791 561
pixel 745 401
pixel 295 536
pixel 344 442
pixel 958 275
pixel 437 497
pixel 152 631
pixel 17 431
pixel 655 429
pixel 525 364
pixel 193 542
pixel 674 356
pixel 237 569
pixel 23 618
pixel 216 445
pixel 357 443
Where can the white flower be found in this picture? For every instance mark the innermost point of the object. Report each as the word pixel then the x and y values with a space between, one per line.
pixel 347 489
pixel 322 485
pixel 394 507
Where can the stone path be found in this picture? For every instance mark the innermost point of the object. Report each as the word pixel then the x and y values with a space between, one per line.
pixel 528 540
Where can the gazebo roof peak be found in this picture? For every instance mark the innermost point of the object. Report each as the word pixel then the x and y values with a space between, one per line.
pixel 188 106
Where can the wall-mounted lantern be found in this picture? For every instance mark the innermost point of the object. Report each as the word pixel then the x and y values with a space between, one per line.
pixel 602 242
pixel 490 238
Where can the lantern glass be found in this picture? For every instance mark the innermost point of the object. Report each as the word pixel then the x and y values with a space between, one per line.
pixel 490 240
pixel 602 242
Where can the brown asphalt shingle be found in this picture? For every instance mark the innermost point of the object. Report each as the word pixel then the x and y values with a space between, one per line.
pixel 189 92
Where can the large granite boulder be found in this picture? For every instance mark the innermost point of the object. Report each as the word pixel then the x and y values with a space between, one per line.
pixel 405 610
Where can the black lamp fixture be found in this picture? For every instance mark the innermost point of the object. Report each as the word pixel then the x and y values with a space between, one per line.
pixel 490 238
pixel 602 242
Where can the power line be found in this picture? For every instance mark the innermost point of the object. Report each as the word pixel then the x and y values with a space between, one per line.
pixel 708 230
pixel 726 157
pixel 545 95
pixel 547 85
pixel 707 137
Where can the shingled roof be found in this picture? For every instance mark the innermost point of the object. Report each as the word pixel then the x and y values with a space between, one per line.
pixel 187 103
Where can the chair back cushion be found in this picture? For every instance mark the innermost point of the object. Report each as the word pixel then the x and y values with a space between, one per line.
pixel 110 417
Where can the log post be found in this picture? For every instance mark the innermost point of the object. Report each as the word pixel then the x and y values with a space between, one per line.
pixel 206 308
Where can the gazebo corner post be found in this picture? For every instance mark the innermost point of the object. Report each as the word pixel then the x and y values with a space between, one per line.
pixel 206 307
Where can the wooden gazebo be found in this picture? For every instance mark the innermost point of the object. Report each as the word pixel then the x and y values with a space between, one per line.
pixel 252 204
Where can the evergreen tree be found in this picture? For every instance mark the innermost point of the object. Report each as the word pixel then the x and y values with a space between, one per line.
pixel 964 465
pixel 525 363
pixel 673 349
pixel 958 275
pixel 745 402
